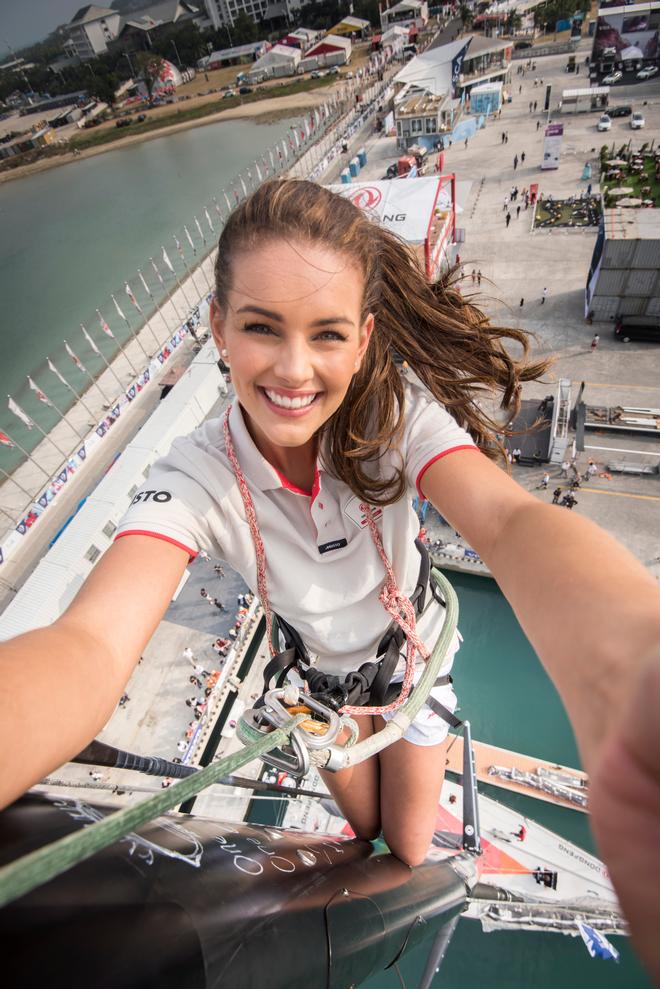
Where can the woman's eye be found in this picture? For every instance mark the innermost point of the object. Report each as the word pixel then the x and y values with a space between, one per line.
pixel 257 328
pixel 331 335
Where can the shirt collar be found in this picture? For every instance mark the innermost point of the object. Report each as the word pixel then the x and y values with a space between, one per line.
pixel 254 465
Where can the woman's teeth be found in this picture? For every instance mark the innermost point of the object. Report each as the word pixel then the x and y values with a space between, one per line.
pixel 289 403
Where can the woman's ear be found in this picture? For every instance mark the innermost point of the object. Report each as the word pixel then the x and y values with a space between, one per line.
pixel 366 330
pixel 217 320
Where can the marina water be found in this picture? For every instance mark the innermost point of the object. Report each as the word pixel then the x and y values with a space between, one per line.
pixel 73 234
pixel 70 236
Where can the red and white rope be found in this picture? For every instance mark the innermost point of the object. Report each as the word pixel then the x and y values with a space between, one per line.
pixel 395 603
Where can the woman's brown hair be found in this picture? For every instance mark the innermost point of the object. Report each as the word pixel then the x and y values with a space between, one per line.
pixel 447 340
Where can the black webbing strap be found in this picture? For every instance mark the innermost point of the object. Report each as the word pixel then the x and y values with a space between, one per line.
pixel 371 685
pixel 440 709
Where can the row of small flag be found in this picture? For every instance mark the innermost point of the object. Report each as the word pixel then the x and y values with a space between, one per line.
pixel 271 161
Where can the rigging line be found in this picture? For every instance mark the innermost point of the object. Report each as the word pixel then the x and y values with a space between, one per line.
pixel 120 790
pixel 401 979
pixel 38 867
pixel 234 781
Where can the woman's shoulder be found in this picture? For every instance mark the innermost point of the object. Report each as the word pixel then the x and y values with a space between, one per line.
pixel 200 456
pixel 429 428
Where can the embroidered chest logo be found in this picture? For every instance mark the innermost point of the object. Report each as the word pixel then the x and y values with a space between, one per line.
pixel 358 518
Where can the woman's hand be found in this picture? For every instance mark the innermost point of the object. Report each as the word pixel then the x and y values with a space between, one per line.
pixel 624 801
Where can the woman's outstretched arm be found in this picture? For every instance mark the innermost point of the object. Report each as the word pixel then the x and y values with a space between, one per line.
pixel 592 612
pixel 59 685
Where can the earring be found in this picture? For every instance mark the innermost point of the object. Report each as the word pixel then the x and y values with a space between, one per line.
pixel 224 352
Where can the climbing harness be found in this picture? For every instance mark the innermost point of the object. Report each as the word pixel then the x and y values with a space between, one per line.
pixel 331 702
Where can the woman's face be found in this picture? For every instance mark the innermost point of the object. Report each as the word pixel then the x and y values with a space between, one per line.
pixel 294 338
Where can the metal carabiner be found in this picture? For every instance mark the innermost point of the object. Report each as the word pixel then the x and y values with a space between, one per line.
pixel 296 763
pixel 276 712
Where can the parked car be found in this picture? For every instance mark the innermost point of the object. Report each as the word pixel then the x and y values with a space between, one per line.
pixel 649 71
pixel 124 122
pixel 140 117
pixel 228 94
pixel 604 123
pixel 244 90
pixel 392 171
pixel 519 45
pixel 334 71
pixel 637 121
pixel 619 111
pixel 613 77
pixel 629 328
pixel 315 74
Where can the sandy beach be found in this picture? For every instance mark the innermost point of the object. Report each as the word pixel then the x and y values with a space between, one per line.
pixel 260 111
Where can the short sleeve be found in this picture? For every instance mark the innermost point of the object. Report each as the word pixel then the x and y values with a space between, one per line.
pixel 430 433
pixel 172 506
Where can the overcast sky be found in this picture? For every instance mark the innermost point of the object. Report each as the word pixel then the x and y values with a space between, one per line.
pixel 25 21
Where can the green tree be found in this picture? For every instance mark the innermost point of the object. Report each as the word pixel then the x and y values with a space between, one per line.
pixel 244 30
pixel 149 66
pixel 466 15
pixel 103 88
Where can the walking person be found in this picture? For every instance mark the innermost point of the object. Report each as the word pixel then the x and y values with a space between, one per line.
pixel 479 277
pixel 518 211
pixel 474 275
pixel 522 303
pixel 515 162
pixel 508 219
pixel 543 484
pixel 506 203
pixel 522 158
pixel 556 494
pixel 544 296
pixel 306 483
pixel 595 341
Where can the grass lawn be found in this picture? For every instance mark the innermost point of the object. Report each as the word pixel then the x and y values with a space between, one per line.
pixel 646 179
pixel 568 212
pixel 184 113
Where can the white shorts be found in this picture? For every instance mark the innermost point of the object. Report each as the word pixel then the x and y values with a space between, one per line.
pixel 429 728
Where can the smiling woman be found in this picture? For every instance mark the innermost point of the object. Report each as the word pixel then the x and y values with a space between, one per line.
pixel 306 485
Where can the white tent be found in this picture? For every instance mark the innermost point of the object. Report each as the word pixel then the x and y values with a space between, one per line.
pixel 433 69
pixel 281 60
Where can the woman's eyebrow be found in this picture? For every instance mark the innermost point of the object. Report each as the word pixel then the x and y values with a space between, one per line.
pixel 278 318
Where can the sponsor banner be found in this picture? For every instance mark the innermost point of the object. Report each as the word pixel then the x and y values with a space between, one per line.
pixel 627 35
pixel 552 146
pixel 405 208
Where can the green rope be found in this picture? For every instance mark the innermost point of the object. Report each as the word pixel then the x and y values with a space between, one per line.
pixel 39 867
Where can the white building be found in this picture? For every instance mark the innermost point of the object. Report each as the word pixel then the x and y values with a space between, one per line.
pixel 281 60
pixel 224 12
pixel 91 30
pixel 406 13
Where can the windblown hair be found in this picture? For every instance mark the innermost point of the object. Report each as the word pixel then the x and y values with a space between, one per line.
pixel 446 339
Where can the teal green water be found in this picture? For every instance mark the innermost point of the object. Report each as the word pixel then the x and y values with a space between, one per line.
pixel 510 701
pixel 72 235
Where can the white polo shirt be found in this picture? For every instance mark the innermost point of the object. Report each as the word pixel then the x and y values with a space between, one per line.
pixel 323 569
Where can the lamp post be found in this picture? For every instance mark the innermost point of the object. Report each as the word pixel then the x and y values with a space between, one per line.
pixel 128 57
pixel 178 57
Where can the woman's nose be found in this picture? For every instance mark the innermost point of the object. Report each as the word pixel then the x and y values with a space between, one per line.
pixel 294 363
